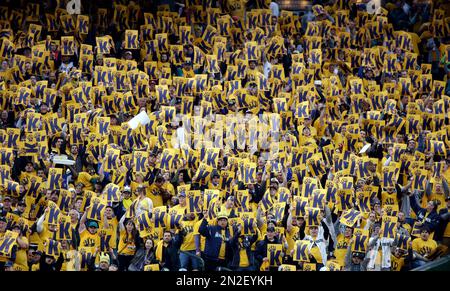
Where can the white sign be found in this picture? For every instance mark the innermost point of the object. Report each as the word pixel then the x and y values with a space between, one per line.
pixel 141 118
pixel 373 6
pixel 73 7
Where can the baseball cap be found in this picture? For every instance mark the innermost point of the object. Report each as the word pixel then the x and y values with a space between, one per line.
pixel 2 218
pixel 93 223
pixel 6 198
pixel 126 189
pixel 22 203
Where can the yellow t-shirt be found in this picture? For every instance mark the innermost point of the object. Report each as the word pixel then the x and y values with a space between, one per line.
pixel 89 241
pixel 388 199
pixel 397 263
pixel 126 203
pixel 307 141
pixel 237 7
pixel 341 248
pixel 126 244
pixel 320 129
pixel 424 247
pixel 189 240
pixel 179 209
pixel 154 194
pixel 243 259
pixel 315 253
pixel 21 262
pixel 85 178
pixel 169 188
pixel 202 238
pixel 222 246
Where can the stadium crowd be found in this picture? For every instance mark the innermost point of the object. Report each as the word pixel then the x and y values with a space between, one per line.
pixel 224 135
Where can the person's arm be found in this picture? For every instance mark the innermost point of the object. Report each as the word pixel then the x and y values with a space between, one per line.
pixel 22 243
pixel 428 189
pixel 113 257
pixel 82 226
pixel 414 205
pixel 417 256
pixel 73 171
pixel 445 216
pixel 434 221
pixel 445 187
pixel 40 222
pixel 372 242
pixel 259 218
pixel 42 264
pixel 197 244
pixel 284 173
pixel 408 260
pixel 401 190
pixel 289 222
pixel 91 262
pixel 105 221
pixel 337 227
pixel 59 262
pixel 348 256
pixel 178 239
pixel 150 205
pixel 121 221
pixel 235 238
pixel 260 252
pixel 203 229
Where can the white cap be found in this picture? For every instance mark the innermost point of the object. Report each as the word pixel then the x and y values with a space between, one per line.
pixel 126 188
